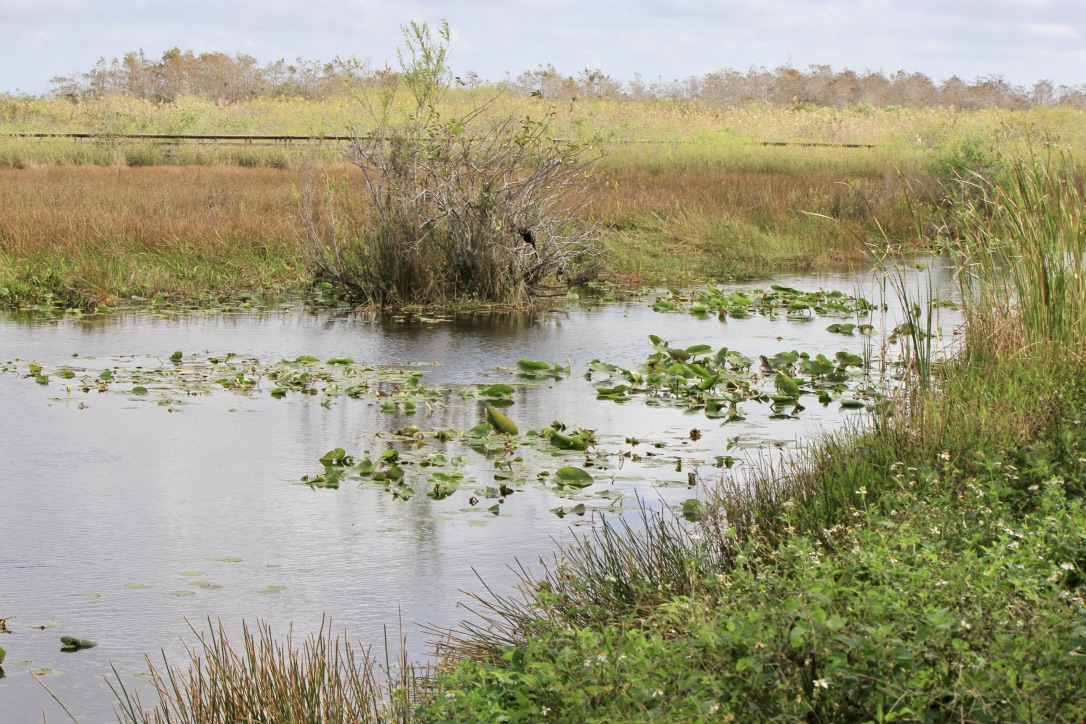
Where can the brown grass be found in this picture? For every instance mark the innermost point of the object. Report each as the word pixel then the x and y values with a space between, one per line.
pixel 152 230
pixel 92 234
pixel 147 209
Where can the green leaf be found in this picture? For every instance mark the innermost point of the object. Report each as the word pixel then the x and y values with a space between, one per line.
pixel 787 386
pixel 72 643
pixel 529 365
pixel 693 509
pixel 575 477
pixel 500 422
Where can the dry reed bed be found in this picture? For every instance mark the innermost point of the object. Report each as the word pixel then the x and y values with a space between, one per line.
pixel 146 209
pixel 103 232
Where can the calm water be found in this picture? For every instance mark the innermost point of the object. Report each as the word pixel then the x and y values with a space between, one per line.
pixel 106 506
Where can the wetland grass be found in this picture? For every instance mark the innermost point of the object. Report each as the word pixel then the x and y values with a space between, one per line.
pixel 93 235
pixel 326 679
pixel 87 235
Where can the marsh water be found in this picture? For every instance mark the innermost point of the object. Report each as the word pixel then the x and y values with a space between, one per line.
pixel 124 514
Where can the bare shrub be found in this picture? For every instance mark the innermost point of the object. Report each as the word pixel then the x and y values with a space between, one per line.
pixel 480 205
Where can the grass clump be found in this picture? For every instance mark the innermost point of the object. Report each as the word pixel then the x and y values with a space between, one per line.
pixel 325 680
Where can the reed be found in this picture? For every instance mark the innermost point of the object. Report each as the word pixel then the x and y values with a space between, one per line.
pixel 1021 241
pixel 326 679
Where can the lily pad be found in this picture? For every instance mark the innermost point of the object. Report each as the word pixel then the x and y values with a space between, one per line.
pixel 74 643
pixel 575 477
pixel 500 422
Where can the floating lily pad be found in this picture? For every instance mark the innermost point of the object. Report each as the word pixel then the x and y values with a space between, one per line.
pixel 135 584
pixel 182 594
pixel 500 422
pixel 576 477
pixel 74 643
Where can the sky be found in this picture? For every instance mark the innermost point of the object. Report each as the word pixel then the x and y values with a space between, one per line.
pixel 1021 40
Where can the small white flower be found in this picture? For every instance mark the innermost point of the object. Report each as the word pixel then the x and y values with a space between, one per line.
pixel 1067 566
pixel 657 693
pixel 862 491
pixel 945 456
pixel 821 684
pixel 601 657
pixel 966 625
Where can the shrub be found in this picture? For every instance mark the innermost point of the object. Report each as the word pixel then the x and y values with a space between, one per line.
pixel 478 204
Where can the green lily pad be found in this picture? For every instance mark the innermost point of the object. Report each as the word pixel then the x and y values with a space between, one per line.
pixel 575 477
pixel 73 643
pixel 500 422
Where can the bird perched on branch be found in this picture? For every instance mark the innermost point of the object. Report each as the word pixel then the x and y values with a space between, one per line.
pixel 529 238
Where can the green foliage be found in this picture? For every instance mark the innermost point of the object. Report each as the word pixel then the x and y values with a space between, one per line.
pixel 951 589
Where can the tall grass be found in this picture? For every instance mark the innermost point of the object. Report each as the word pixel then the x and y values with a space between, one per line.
pixel 94 235
pixel 267 680
pixel 1021 241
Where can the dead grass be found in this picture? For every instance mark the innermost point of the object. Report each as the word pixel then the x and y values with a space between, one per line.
pixel 170 230
pixel 93 234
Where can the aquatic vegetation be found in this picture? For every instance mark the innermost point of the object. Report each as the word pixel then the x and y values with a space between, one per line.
pixel 327 680
pixel 177 380
pixel 715 383
pixel 74 643
pixel 777 300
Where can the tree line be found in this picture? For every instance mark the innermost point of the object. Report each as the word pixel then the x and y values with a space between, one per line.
pixel 236 78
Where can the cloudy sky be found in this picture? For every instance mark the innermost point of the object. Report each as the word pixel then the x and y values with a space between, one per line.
pixel 1022 40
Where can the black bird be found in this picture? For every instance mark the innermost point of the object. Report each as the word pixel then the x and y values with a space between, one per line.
pixel 529 238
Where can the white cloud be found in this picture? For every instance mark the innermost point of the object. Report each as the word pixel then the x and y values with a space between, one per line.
pixel 1052 30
